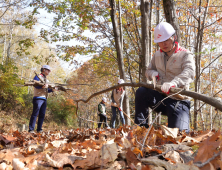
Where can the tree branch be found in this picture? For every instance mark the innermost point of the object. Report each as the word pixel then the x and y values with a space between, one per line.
pixel 209 100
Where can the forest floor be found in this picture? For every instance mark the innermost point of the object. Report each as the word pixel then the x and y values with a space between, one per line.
pixel 122 148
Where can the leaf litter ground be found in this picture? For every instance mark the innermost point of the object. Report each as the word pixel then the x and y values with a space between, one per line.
pixel 122 148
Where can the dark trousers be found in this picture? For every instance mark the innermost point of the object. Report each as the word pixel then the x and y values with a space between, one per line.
pixel 103 118
pixel 113 121
pixel 39 108
pixel 177 111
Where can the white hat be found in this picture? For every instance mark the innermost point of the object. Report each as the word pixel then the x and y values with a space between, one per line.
pixel 121 81
pixel 104 99
pixel 163 31
pixel 46 67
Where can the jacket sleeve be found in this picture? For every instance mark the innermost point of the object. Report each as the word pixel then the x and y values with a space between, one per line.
pixel 100 108
pixel 188 71
pixel 37 79
pixel 151 68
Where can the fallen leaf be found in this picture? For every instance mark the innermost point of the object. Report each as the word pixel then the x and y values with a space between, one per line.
pixel 175 156
pixel 173 132
pixel 208 148
pixel 93 160
pixel 109 151
pixel 131 157
pixel 137 151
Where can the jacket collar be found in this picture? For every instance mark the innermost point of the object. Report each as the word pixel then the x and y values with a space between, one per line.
pixel 43 75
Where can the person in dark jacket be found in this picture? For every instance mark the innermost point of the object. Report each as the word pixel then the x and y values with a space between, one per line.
pixel 40 100
pixel 102 113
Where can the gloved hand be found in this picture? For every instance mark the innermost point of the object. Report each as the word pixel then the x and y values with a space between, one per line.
pixel 55 89
pixel 156 75
pixel 114 104
pixel 120 109
pixel 45 86
pixel 166 87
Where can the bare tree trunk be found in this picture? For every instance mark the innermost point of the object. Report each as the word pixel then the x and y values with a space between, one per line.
pixel 3 55
pixel 170 14
pixel 145 8
pixel 157 18
pixel 119 49
pixel 145 11
pixel 9 45
pixel 198 49
pixel 211 95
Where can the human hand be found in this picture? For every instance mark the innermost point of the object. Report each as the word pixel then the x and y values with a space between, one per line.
pixel 166 87
pixel 45 86
pixel 155 75
pixel 120 109
pixel 55 89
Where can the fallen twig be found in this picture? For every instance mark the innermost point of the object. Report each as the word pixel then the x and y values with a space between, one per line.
pixel 200 165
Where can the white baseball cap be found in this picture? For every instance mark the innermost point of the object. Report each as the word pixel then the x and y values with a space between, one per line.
pixel 46 67
pixel 104 99
pixel 121 81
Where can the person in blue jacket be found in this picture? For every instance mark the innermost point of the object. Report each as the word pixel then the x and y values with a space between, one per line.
pixel 40 100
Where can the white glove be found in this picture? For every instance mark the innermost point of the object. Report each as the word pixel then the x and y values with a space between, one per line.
pixel 45 86
pixel 156 75
pixel 166 87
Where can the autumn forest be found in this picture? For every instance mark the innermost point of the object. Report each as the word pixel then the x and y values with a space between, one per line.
pixel 90 45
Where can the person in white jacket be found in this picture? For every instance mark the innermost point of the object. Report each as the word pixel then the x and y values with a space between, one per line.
pixel 117 103
pixel 171 66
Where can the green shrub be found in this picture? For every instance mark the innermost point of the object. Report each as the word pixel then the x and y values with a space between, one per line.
pixel 10 95
pixel 63 110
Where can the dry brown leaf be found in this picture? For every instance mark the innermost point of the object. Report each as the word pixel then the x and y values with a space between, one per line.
pixel 175 156
pixel 18 165
pixel 131 157
pixel 58 143
pixel 203 136
pixel 116 166
pixel 189 140
pixel 93 160
pixel 109 151
pixel 145 167
pixel 59 160
pixel 173 132
pixel 209 166
pixel 9 154
pixel 7 139
pixel 89 143
pixel 208 148
pixel 137 151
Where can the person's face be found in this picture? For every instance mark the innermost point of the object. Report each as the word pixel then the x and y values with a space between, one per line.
pixel 119 87
pixel 46 72
pixel 167 45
